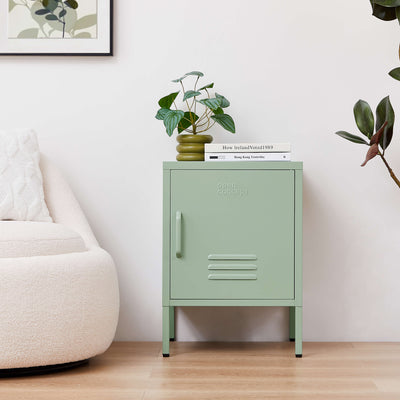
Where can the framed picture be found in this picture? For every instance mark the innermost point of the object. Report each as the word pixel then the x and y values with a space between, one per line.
pixel 56 27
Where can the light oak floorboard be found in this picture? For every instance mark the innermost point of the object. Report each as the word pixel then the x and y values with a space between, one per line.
pixel 218 371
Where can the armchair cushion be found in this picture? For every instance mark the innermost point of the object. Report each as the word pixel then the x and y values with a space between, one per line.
pixel 21 181
pixel 29 239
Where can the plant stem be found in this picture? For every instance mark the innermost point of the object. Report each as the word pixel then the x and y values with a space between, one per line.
pixel 63 19
pixel 190 111
pixel 394 177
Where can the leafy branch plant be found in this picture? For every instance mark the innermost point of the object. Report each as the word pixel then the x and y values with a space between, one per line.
pixel 56 10
pixel 200 111
pixel 386 10
pixel 380 141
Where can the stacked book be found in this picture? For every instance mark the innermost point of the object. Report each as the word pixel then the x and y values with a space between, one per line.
pixel 247 152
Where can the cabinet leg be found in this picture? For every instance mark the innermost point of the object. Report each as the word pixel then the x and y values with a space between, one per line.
pixel 165 331
pixel 171 324
pixel 299 331
pixel 292 324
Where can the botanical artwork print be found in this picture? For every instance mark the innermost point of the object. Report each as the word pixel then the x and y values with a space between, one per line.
pixel 52 19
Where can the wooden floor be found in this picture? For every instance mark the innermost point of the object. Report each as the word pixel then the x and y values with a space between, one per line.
pixel 216 371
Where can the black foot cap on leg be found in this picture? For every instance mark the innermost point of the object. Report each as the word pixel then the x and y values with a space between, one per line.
pixel 299 355
pixel 165 355
pixel 292 340
pixel 172 339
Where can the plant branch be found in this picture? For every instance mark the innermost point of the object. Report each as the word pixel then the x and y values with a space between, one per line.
pixel 208 127
pixel 394 177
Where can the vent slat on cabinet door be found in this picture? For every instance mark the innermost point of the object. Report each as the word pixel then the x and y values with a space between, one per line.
pixel 217 267
pixel 239 257
pixel 230 277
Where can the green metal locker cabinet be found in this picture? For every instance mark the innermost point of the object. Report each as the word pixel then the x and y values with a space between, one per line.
pixel 232 236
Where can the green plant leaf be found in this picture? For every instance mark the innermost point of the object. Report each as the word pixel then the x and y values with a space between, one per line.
pixel 212 103
pixel 224 101
pixel 196 73
pixel 219 110
pixel 383 13
pixel 83 35
pixel 172 120
pixel 384 112
pixel 85 22
pixel 352 138
pixel 225 121
pixel 11 5
pixel 166 102
pixel 50 4
pixel 71 4
pixel 395 73
pixel 209 86
pixel 42 11
pixel 364 118
pixel 185 122
pixel 51 17
pixel 387 3
pixel 179 79
pixel 62 13
pixel 162 112
pixel 31 33
pixel 189 94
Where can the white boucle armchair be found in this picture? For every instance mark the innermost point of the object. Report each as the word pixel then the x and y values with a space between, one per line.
pixel 59 298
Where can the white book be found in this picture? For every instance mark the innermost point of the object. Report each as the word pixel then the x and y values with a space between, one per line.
pixel 247 156
pixel 247 147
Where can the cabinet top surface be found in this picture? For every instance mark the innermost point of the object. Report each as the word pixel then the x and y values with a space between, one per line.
pixel 170 165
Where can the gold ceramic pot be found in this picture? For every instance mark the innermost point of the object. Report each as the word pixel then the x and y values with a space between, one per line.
pixel 191 147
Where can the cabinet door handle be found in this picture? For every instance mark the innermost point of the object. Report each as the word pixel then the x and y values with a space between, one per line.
pixel 178 233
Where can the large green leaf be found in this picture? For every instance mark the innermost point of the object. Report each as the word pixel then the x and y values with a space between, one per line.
pixel 85 22
pixel 352 138
pixel 72 4
pixel 51 17
pixel 166 102
pixel 50 4
pixel 196 73
pixel 188 119
pixel 384 112
pixel 209 86
pixel 11 5
pixel 212 103
pixel 82 35
pixel 172 120
pixel 383 13
pixel 31 33
pixel 189 94
pixel 395 73
pixel 364 118
pixel 162 112
pixel 42 11
pixel 219 110
pixel 224 101
pixel 225 121
pixel 387 3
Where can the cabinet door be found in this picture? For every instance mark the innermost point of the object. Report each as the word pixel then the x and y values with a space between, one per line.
pixel 232 234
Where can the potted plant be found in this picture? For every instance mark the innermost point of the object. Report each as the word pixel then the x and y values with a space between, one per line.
pixel 386 10
pixel 197 114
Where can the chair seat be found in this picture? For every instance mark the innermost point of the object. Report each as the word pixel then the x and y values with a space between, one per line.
pixel 29 239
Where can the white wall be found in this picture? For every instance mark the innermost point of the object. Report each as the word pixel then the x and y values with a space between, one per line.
pixel 292 71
